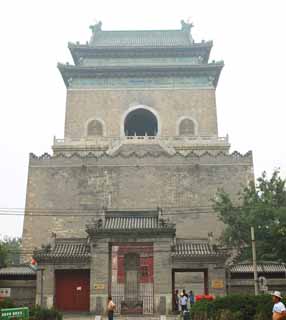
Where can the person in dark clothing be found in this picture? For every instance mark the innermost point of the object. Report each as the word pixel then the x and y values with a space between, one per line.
pixel 176 300
pixel 191 298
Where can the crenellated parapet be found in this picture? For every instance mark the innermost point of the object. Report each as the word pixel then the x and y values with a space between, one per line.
pixel 142 158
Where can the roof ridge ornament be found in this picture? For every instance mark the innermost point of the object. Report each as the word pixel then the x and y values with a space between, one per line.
pixel 186 27
pixel 95 28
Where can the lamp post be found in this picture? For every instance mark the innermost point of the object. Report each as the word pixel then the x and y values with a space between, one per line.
pixel 254 261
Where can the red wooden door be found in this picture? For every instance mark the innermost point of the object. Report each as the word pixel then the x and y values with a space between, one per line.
pixel 72 290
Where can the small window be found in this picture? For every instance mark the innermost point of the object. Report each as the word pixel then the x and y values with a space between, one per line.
pixel 187 128
pixel 95 128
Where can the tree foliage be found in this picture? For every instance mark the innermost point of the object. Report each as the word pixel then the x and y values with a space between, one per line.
pixel 10 251
pixel 261 205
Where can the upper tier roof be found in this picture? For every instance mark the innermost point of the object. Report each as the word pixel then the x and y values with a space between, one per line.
pixel 141 38
pixel 140 44
pixel 152 38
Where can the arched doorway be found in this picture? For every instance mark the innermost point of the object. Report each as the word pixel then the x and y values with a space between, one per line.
pixel 140 122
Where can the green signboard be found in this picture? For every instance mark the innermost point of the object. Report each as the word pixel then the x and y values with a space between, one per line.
pixel 15 313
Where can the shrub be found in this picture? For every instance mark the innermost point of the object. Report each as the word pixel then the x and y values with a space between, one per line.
pixel 7 303
pixel 39 313
pixel 226 314
pixel 234 307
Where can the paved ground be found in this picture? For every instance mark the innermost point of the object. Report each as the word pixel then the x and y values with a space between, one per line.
pixel 93 317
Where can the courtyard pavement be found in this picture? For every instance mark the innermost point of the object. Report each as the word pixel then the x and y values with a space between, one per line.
pixel 74 316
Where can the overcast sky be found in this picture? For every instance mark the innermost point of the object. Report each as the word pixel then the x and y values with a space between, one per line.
pixel 249 35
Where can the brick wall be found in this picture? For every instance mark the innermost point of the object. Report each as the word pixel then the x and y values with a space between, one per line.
pixel 184 187
pixel 110 106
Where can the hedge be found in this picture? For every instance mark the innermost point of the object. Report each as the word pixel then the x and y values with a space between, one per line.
pixel 35 313
pixel 234 307
pixel 40 313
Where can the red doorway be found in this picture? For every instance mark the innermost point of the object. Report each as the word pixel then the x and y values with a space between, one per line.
pixel 72 290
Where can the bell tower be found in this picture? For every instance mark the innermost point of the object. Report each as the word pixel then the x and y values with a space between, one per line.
pixel 152 85
pixel 124 203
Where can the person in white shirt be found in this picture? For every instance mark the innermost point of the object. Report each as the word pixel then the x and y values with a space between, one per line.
pixel 183 300
pixel 279 310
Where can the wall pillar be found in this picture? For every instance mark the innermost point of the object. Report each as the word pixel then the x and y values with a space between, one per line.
pixel 217 280
pixel 99 275
pixel 162 277
pixel 45 290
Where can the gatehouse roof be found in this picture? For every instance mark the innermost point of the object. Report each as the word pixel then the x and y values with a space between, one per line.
pixel 17 270
pixel 130 221
pixel 262 267
pixel 196 248
pixel 70 248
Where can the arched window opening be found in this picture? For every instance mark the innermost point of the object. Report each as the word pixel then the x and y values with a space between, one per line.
pixel 140 122
pixel 95 128
pixel 187 128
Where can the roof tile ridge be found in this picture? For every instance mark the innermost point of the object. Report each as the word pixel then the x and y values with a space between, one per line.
pixel 143 30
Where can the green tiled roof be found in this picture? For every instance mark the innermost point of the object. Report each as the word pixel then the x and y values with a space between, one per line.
pixel 65 248
pixel 130 221
pixel 20 270
pixel 195 248
pixel 144 38
pixel 266 267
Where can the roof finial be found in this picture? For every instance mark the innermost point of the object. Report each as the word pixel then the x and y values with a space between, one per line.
pixel 186 27
pixel 95 28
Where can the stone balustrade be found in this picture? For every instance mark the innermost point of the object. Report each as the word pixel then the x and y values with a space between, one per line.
pixel 172 140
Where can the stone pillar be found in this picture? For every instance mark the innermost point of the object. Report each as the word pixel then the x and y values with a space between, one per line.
pixel 217 280
pixel 99 274
pixel 162 277
pixel 45 290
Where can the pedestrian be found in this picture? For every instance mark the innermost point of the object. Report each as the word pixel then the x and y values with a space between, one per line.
pixel 176 300
pixel 191 298
pixel 183 301
pixel 279 310
pixel 110 308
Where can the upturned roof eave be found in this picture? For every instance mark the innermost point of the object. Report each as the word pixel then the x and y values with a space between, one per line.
pixel 61 258
pixel 62 71
pixel 70 71
pixel 86 50
pixel 139 232
pixel 203 44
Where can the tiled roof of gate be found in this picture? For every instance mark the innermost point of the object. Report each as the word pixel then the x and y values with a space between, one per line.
pixel 20 270
pixel 141 38
pixel 130 223
pixel 267 267
pixel 65 248
pixel 186 248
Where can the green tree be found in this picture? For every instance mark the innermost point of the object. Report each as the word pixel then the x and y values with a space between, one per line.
pixel 3 255
pixel 261 205
pixel 10 251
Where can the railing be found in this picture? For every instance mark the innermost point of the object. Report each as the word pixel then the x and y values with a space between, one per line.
pixel 112 141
